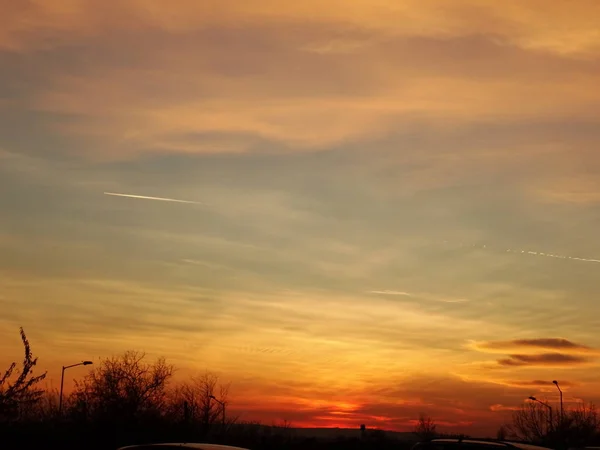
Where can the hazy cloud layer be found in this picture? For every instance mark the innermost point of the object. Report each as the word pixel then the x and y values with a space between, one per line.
pixel 387 189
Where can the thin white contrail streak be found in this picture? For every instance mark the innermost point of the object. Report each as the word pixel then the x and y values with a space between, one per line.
pixel 532 253
pixel 160 199
pixel 551 255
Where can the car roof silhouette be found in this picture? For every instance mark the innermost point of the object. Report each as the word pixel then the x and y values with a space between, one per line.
pixel 180 446
pixel 490 443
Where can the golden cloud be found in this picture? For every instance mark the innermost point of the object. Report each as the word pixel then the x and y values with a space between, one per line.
pixel 531 345
pixel 117 120
pixel 301 76
pixel 500 407
pixel 579 188
pixel 544 359
pixel 563 28
pixel 538 383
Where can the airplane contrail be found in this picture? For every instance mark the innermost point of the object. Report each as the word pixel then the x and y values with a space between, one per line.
pixel 552 255
pixel 160 199
pixel 518 251
pixel 531 253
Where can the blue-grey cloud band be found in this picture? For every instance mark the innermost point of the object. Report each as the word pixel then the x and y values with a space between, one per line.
pixel 462 245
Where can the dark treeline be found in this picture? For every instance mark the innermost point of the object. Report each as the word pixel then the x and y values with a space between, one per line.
pixel 533 422
pixel 127 399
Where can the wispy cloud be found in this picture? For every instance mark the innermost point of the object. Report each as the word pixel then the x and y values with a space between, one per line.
pixel 538 383
pixel 531 344
pixel 431 297
pixel 561 29
pixel 387 292
pixel 339 46
pixel 161 199
pixel 499 407
pixel 545 359
pixel 542 352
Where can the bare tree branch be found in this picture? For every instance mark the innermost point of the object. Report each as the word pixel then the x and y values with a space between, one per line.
pixel 22 391
pixel 425 428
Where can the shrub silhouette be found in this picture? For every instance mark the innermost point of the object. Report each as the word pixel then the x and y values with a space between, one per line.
pixel 18 387
pixel 201 402
pixel 123 389
pixel 425 428
pixel 533 423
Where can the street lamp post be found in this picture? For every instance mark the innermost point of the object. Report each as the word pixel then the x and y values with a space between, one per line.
pixel 549 411
pixel 561 401
pixel 62 381
pixel 222 407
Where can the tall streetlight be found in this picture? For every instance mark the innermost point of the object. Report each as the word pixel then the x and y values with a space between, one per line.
pixel 222 407
pixel 561 401
pixel 549 410
pixel 62 381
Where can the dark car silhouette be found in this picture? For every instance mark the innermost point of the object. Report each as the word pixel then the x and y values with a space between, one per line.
pixel 473 444
pixel 181 446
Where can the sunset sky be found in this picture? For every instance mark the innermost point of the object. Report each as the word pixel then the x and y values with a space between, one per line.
pixel 391 207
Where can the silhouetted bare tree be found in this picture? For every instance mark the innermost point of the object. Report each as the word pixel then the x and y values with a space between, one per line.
pixel 123 388
pixel 284 429
pixel 202 401
pixel 580 426
pixel 283 425
pixel 533 423
pixel 425 428
pixel 18 387
pixel 46 408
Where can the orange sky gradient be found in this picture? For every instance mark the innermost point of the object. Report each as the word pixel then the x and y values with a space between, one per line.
pixel 392 206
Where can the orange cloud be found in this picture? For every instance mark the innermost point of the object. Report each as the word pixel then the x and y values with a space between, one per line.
pixel 545 359
pixel 256 84
pixel 539 383
pixel 559 352
pixel 560 28
pixel 499 407
pixel 579 189
pixel 531 344
pixel 123 119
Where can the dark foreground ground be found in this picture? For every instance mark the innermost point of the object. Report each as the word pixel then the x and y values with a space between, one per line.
pixel 72 437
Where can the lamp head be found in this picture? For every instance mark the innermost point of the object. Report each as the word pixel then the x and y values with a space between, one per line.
pixel 555 382
pixel 87 363
pixel 533 398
